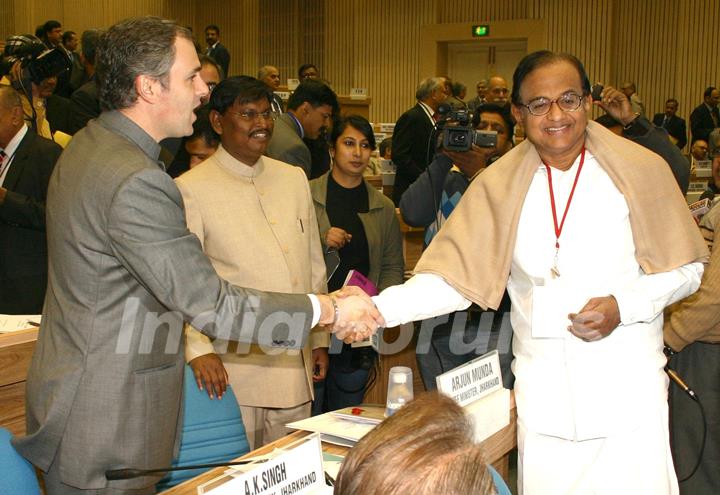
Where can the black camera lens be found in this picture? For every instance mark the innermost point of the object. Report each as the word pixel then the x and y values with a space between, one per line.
pixel 458 138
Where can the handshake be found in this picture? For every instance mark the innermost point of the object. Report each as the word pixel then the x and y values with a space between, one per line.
pixel 350 314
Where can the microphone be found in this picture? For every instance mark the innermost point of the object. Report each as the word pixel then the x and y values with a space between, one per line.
pixel 680 383
pixel 129 473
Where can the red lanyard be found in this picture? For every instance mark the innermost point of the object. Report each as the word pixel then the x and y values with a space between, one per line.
pixel 558 229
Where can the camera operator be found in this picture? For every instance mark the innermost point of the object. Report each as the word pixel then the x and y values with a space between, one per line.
pixel 32 69
pixel 429 201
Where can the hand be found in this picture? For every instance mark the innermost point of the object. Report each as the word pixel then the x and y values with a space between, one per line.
pixel 321 361
pixel 472 161
pixel 617 105
pixel 596 320
pixel 357 318
pixel 337 238
pixel 209 370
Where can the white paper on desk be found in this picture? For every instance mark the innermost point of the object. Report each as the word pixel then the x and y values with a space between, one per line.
pixel 551 306
pixel 333 429
pixel 13 323
pixel 489 414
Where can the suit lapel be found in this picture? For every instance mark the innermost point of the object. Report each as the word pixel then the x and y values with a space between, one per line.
pixel 19 161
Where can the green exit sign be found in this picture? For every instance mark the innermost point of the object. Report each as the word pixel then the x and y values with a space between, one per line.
pixel 481 30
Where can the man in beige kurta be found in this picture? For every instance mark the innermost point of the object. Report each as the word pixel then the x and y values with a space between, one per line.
pixel 255 219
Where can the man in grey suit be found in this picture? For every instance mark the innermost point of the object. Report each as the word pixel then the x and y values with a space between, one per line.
pixel 104 386
pixel 308 115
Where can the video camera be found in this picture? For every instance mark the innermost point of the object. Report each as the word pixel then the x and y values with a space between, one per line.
pixel 462 136
pixel 36 61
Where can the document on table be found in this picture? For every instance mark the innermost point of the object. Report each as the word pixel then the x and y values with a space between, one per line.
pixel 13 323
pixel 333 429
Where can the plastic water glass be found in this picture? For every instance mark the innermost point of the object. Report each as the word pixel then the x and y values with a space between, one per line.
pixel 400 389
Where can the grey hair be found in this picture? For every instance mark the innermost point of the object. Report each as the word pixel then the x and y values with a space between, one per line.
pixel 427 86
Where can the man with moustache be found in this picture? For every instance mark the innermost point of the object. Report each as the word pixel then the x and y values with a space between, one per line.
pixel 104 388
pixel 564 221
pixel 234 192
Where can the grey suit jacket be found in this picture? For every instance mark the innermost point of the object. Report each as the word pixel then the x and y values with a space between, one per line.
pixel 105 383
pixel 287 146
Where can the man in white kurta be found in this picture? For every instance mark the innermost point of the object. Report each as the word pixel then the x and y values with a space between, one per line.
pixel 592 407
pixel 255 219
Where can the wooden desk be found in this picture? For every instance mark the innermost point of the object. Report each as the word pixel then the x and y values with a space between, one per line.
pixel 497 449
pixel 16 350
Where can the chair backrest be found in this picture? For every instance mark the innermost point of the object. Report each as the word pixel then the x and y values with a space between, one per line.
pixel 212 432
pixel 17 475
pixel 500 484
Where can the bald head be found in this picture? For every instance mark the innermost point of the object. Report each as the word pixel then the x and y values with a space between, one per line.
pixel 497 91
pixel 270 75
pixel 11 114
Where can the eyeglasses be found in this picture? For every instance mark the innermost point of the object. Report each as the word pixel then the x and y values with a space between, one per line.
pixel 568 102
pixel 252 115
pixel 211 86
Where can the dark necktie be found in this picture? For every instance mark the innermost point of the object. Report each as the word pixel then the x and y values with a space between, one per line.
pixel 715 116
pixel 666 121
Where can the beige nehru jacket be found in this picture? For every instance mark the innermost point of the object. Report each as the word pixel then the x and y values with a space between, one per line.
pixel 258 227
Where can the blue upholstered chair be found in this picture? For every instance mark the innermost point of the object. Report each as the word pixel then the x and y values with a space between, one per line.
pixel 500 484
pixel 16 474
pixel 212 431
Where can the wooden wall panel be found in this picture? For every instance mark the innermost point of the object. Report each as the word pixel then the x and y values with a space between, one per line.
pixel 668 47
pixel 374 44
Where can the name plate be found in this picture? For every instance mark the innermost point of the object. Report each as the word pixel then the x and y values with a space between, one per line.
pixel 387 128
pixel 297 470
pixel 292 84
pixel 472 381
pixel 358 93
pixel 284 95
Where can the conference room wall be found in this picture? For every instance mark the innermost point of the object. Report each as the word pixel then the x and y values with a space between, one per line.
pixel 668 47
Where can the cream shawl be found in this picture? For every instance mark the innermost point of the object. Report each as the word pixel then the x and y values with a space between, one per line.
pixel 473 250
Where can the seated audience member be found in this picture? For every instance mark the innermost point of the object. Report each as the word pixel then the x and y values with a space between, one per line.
pixel 629 90
pixel 698 152
pixel 270 75
pixel 692 331
pixel 26 162
pixel 359 222
pixel 197 147
pixel 309 112
pixel 641 131
pixel 427 447
pixel 255 219
pixel 386 149
pixel 674 125
pixel 308 71
pixel 428 203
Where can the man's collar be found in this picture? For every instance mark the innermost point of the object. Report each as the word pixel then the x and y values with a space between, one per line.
pixel 301 131
pixel 120 123
pixel 15 141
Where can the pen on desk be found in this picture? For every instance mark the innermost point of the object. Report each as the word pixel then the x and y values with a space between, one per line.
pixel 329 479
pixel 33 323
pixel 302 229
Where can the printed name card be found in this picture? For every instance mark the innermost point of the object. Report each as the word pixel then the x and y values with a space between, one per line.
pixel 292 84
pixel 472 381
pixel 387 127
pixel 298 470
pixel 358 93
pixel 283 95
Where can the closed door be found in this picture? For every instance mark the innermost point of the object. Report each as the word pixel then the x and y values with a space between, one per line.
pixel 471 61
